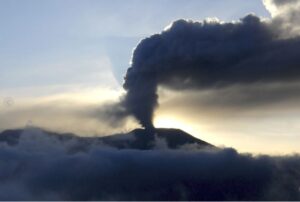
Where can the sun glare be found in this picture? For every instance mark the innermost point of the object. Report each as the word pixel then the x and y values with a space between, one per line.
pixel 172 122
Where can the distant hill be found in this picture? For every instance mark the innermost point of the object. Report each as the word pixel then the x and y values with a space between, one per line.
pixel 137 139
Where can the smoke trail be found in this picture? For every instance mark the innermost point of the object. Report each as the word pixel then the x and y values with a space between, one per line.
pixel 141 97
pixel 201 55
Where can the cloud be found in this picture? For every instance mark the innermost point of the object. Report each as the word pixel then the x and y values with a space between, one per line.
pixel 277 7
pixel 43 167
pixel 285 15
pixel 65 115
pixel 235 97
pixel 265 115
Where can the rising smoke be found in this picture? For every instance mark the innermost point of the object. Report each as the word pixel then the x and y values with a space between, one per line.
pixel 211 54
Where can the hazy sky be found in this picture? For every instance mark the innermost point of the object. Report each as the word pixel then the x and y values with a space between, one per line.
pixel 61 59
pixel 46 43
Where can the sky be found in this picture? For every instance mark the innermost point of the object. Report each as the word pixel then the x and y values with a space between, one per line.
pixel 61 61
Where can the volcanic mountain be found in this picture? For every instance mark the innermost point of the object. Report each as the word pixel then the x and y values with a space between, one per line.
pixel 137 139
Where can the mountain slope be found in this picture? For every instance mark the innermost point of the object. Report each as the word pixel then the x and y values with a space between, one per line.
pixel 137 139
pixel 143 139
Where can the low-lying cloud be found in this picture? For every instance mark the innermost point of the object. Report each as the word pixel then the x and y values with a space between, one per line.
pixel 43 167
pixel 69 116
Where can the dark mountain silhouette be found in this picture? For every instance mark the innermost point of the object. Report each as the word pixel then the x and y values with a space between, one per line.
pixel 137 139
pixel 145 139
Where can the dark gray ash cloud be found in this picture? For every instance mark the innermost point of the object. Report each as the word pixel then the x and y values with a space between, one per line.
pixel 239 98
pixel 284 2
pixel 208 55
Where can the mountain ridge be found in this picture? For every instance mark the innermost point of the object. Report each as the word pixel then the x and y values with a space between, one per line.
pixel 140 139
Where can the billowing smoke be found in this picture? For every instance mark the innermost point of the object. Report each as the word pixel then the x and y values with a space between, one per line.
pixel 41 166
pixel 286 16
pixel 207 55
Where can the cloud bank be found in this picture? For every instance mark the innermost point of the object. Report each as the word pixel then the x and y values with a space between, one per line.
pixel 44 167
pixel 64 115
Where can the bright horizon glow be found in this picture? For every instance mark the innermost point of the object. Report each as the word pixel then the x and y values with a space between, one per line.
pixel 241 139
pixel 165 121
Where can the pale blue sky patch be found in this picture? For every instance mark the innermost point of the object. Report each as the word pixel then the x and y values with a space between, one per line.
pixel 35 34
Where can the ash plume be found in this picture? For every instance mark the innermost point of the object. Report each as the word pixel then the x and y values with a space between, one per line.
pixel 208 55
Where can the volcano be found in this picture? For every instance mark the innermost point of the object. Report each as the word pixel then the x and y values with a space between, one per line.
pixel 140 139
pixel 146 139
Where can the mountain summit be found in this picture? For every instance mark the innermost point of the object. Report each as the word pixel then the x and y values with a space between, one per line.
pixel 140 139
pixel 148 139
